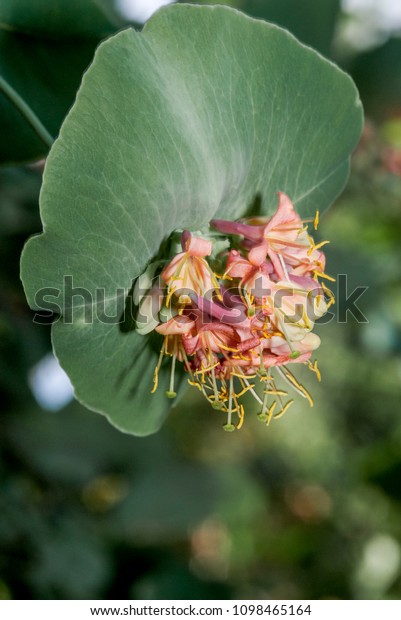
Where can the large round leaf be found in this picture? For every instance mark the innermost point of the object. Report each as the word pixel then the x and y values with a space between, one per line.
pixel 193 117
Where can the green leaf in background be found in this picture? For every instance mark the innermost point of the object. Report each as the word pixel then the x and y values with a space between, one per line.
pixel 44 48
pixel 311 21
pixel 59 18
pixel 377 73
pixel 189 119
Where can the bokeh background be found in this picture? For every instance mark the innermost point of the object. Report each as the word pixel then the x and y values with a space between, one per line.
pixel 308 508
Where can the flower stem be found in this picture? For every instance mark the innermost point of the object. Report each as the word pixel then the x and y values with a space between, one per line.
pixel 26 112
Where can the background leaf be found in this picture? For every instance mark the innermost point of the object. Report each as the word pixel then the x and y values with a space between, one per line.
pixel 191 118
pixel 44 48
pixel 311 21
pixel 377 73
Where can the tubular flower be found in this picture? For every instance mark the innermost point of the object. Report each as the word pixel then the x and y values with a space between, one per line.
pixel 237 331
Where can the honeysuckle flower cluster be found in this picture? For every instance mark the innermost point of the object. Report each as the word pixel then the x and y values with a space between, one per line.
pixel 237 318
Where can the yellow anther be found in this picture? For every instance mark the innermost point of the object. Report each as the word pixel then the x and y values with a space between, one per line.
pixel 300 387
pixel 270 413
pixel 316 220
pixel 202 370
pixel 156 370
pixel 248 387
pixel 321 244
pixel 284 409
pixel 195 384
pixel 323 275
pixel 314 368
pixel 155 380
pixel 243 376
pixel 241 414
pixel 171 292
pixel 329 293
pixel 306 319
pixel 225 348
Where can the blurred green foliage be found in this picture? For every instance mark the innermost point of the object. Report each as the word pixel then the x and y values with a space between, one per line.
pixel 309 508
pixel 312 21
pixel 44 49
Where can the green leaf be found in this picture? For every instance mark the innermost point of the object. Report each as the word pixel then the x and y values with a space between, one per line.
pixel 191 118
pixel 377 73
pixel 44 48
pixel 59 18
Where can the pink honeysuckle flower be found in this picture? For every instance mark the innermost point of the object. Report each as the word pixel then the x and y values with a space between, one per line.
pixel 176 326
pixel 214 336
pixel 240 267
pixel 282 238
pixel 294 305
pixel 216 309
pixel 188 271
pixel 248 325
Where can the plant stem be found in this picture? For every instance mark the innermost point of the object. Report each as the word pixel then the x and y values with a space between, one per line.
pixel 26 112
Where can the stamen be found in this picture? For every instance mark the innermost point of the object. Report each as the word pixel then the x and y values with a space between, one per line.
pixel 316 220
pixel 241 376
pixel 284 409
pixel 320 245
pixel 171 292
pixel 289 377
pixel 306 319
pixel 229 349
pixel 324 275
pixel 195 384
pixel 229 428
pixel 230 401
pixel 270 413
pixel 245 390
pixel 241 416
pixel 157 368
pixel 262 369
pixel 329 293
pixel 252 391
pixel 262 415
pixel 217 404
pixel 313 367
pixel 284 267
pixel 205 369
pixel 186 363
pixel 273 384
pixel 171 393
